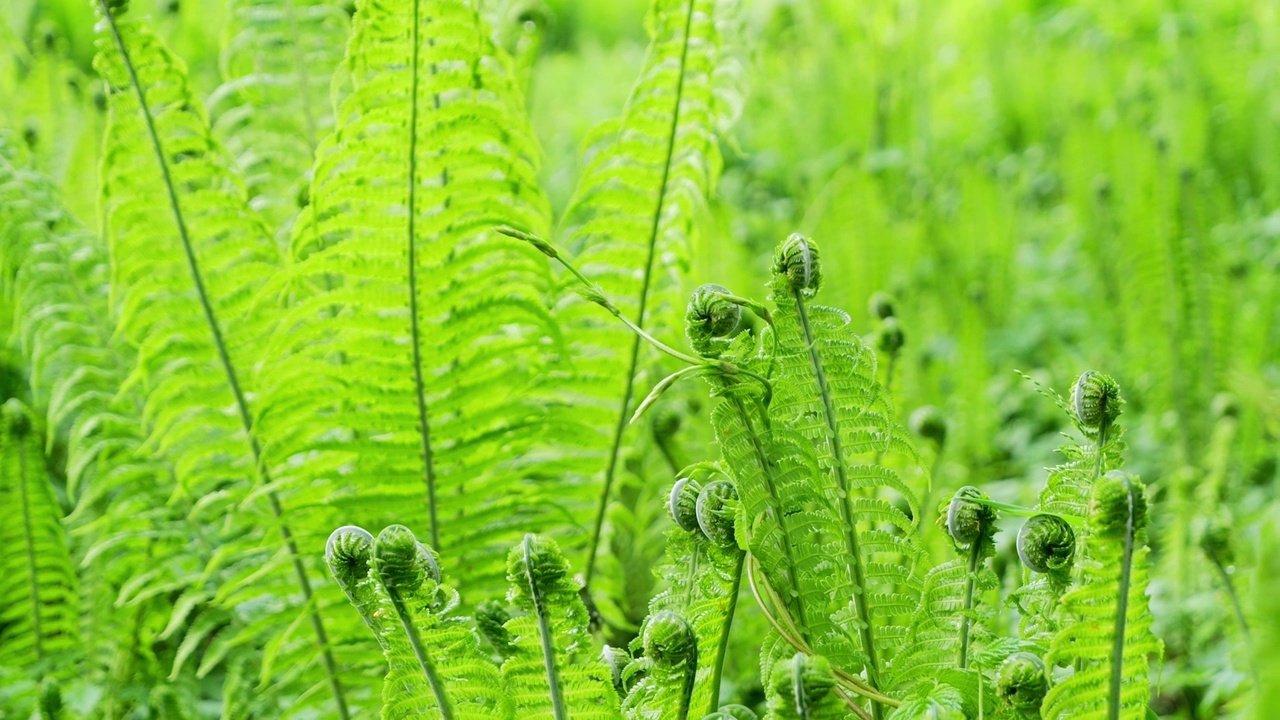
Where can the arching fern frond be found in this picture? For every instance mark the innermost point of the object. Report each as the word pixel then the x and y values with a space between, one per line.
pixel 396 385
pixel 188 258
pixel 273 107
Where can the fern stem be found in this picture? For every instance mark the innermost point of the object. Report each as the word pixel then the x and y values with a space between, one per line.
pixel 975 557
pixel 1235 604
pixel 544 634
pixel 621 426
pixel 242 404
pixel 419 386
pixel 1122 608
pixel 846 506
pixel 29 535
pixel 767 471
pixel 717 670
pixel 424 660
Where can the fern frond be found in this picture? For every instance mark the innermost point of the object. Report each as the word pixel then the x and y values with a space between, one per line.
pixel 1106 633
pixel 826 390
pixel 188 259
pixel 436 668
pixel 38 595
pixel 397 383
pixel 803 687
pixel 633 216
pixel 273 107
pixel 554 671
pixel 702 579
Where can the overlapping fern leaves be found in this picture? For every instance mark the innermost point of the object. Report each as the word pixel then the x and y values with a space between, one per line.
pixel 396 385
pixel 634 215
pixel 273 107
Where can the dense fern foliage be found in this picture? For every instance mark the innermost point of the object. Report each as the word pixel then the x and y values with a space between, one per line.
pixel 461 359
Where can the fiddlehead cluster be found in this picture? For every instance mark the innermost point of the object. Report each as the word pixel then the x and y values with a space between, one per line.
pixel 711 320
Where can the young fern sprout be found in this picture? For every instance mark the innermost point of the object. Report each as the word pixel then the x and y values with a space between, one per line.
pixel 535 567
pixel 1096 403
pixel 403 566
pixel 1047 544
pixel 732 712
pixel 973 526
pixel 711 302
pixel 672 647
pixel 1021 682
pixel 491 619
pixel 803 687
pixel 715 511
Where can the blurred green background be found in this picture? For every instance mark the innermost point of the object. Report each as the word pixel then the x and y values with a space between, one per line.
pixel 1040 186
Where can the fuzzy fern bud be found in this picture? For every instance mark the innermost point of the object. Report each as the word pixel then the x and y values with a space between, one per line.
pixel 491 618
pixel 401 563
pixel 881 306
pixel 1046 544
pixel 967 521
pixel 797 263
pixel 669 640
pixel 890 338
pixel 1116 500
pixel 928 423
pixel 348 552
pixel 710 318
pixel 1095 400
pixel 1021 681
pixel 616 659
pixel 810 674
pixel 683 503
pixel 717 506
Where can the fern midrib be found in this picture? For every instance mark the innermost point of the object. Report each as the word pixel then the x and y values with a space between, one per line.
pixel 544 634
pixel 419 385
pixel 29 536
pixel 846 505
pixel 765 470
pixel 1122 608
pixel 629 389
pixel 241 403
pixel 424 660
pixel 975 558
pixel 725 629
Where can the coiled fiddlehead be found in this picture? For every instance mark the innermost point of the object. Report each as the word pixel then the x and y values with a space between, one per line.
pixel 927 422
pixel 881 305
pixel 1117 505
pixel 402 565
pixel 1095 400
pixel 797 260
pixel 710 320
pixel 717 507
pixel 968 521
pixel 799 686
pixel 1022 682
pixel 683 503
pixel 348 553
pixel 1047 544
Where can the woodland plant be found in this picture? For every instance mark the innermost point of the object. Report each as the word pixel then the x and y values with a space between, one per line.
pixel 339 291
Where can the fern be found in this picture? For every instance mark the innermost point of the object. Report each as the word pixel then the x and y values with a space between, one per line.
pixel 188 258
pixel 1107 632
pixel 646 178
pixel 552 672
pixel 273 106
pixel 703 572
pixel 804 688
pixel 435 665
pixel 398 378
pixel 826 389
pixel 38 591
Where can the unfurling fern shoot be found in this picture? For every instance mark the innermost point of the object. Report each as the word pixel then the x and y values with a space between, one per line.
pixel 973 525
